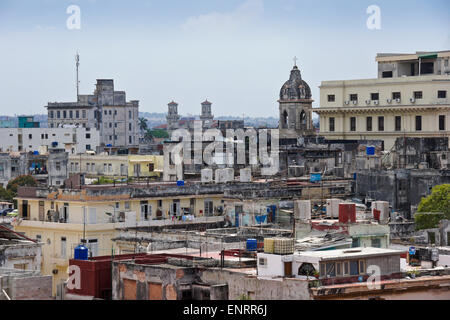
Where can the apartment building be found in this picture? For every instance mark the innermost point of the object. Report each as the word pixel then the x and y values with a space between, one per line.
pixel 73 140
pixel 61 218
pixel 105 110
pixel 410 98
pixel 119 166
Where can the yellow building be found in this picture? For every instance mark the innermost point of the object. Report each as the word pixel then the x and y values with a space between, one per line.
pixel 409 98
pixel 119 166
pixel 61 219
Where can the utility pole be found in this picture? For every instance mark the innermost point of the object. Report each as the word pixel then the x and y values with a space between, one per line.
pixel 77 62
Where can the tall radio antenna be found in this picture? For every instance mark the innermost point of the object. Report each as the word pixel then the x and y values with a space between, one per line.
pixel 77 60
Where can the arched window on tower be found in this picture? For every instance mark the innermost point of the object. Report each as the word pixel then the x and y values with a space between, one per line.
pixel 303 120
pixel 285 120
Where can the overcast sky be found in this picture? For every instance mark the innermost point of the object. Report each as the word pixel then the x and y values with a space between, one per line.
pixel 236 53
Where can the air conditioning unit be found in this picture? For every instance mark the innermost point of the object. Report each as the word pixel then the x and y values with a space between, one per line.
pixel 398 100
pixel 389 100
pixel 347 102
pixel 376 102
pixel 412 100
pixel 367 101
pixel 355 101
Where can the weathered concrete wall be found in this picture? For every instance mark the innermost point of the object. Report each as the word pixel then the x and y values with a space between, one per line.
pixel 257 288
pixel 28 254
pixel 31 288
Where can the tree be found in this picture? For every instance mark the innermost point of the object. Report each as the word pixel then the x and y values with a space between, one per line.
pixel 437 201
pixel 20 181
pixel 143 124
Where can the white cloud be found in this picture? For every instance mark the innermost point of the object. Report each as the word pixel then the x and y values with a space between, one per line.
pixel 245 13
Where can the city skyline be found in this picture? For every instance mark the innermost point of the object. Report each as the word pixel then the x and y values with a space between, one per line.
pixel 237 54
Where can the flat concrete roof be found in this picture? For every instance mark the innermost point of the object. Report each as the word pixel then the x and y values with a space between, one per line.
pixel 348 253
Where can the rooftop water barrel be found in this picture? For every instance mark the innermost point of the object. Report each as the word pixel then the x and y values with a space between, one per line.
pixel 252 245
pixel 370 150
pixel 81 253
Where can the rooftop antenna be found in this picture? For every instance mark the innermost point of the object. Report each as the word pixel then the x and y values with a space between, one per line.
pixel 295 61
pixel 77 61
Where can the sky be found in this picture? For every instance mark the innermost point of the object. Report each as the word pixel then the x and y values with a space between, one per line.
pixel 235 53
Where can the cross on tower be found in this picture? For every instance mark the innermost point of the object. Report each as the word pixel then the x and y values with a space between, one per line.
pixel 295 61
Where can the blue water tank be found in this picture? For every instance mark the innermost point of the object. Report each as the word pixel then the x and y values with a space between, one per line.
pixel 370 151
pixel 252 245
pixel 315 177
pixel 180 183
pixel 81 253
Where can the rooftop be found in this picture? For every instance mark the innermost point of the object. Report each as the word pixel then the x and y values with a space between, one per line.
pixel 348 253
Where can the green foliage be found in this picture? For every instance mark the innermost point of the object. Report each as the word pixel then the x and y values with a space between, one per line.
pixel 437 201
pixel 158 133
pixel 5 194
pixel 20 181
pixel 143 124
pixel 428 221
pixel 244 297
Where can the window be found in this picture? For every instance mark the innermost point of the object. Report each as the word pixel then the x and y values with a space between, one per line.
pixel 354 268
pixel 38 238
pixel 362 267
pixel 330 269
pixel 398 123
pixel 417 94
pixel 374 96
pixel 441 122
pixel 88 135
pixel 105 167
pixel 127 205
pixel 106 112
pixel 145 211
pixel 88 147
pixel 51 114
pixel 117 205
pixel 77 114
pixel 431 237
pixel 110 138
pixel 63 247
pixel 129 114
pixel 58 114
pixel 332 124
pixel 209 209
pixel 130 140
pixel 352 124
pixel 84 114
pixel 387 74
pixel 353 97
pixel 109 167
pixel 338 268
pixel 331 98
pixel 129 126
pixel 442 94
pixel 92 244
pixel 380 123
pixel 369 123
pixel 115 137
pixel 115 112
pixel 396 95
pixel 346 268
pixel 110 124
pixel 30 136
pixel 58 166
pixel 64 114
pixel 115 125
pixel 110 112
pixel 418 123
pixel 376 243
pixel 262 262
pixel 88 167
pixel 71 114
pixel 355 243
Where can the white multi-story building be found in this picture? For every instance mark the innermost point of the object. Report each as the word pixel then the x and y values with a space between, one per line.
pixel 410 98
pixel 73 140
pixel 105 110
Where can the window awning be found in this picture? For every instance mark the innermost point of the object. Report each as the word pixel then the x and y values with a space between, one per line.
pixel 428 56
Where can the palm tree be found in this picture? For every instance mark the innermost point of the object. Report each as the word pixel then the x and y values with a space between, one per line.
pixel 143 124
